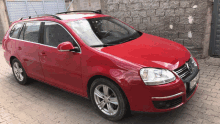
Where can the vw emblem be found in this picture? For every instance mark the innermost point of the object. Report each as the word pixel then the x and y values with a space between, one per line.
pixel 189 68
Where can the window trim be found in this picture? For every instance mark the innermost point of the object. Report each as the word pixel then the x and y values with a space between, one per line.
pixel 80 52
pixel 23 26
pixel 41 33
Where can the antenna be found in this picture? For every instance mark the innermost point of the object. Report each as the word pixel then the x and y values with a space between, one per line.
pixel 33 8
pixel 69 5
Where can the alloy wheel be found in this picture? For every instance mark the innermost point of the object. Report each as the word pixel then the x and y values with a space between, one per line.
pixel 106 100
pixel 18 71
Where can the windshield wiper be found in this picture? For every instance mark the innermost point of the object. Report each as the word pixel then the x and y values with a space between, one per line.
pixel 127 40
pixel 102 45
pixel 105 45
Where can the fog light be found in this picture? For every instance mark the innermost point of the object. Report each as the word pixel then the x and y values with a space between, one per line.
pixel 168 103
pixel 162 104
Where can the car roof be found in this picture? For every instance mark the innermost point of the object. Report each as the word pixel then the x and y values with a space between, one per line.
pixel 79 15
pixel 65 17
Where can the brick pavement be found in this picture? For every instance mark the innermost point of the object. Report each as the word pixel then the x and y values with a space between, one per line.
pixel 39 103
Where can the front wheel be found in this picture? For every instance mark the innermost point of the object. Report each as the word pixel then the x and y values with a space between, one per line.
pixel 108 100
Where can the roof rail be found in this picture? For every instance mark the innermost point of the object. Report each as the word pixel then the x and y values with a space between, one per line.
pixel 29 17
pixel 97 11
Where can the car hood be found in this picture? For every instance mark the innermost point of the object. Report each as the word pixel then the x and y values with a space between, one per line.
pixel 151 51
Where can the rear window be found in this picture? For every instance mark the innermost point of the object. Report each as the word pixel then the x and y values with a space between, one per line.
pixel 15 30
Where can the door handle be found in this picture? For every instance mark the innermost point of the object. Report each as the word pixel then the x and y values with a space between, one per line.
pixel 43 54
pixel 19 48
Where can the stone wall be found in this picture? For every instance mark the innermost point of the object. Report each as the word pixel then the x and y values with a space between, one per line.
pixel 4 24
pixel 85 5
pixel 183 21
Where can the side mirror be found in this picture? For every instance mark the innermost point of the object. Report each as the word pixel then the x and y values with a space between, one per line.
pixel 66 47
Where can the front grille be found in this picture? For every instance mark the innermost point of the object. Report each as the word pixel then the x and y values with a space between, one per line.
pixel 187 73
pixel 168 103
pixel 187 70
pixel 183 71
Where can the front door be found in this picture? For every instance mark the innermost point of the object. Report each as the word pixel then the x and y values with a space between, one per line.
pixel 61 69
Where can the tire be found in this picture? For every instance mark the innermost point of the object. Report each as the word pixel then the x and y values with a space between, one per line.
pixel 116 105
pixel 17 70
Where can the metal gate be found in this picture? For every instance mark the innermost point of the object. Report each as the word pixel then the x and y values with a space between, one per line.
pixel 214 48
pixel 24 8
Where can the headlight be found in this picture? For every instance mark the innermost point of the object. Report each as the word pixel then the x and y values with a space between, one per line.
pixel 193 61
pixel 153 76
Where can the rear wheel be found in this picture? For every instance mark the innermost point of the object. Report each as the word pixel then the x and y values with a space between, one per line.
pixel 19 72
pixel 108 100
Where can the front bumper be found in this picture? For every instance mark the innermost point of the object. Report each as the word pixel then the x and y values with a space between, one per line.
pixel 166 97
pixel 172 102
pixel 161 98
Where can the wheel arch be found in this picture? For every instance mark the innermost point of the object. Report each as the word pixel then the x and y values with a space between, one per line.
pixel 101 76
pixel 14 57
pixel 11 58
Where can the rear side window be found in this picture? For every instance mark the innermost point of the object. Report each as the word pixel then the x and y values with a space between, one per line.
pixel 15 30
pixel 31 32
pixel 54 34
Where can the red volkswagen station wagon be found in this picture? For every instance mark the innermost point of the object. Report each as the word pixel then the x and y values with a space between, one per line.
pixel 101 58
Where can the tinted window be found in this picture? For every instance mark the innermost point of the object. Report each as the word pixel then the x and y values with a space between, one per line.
pixel 32 31
pixel 15 30
pixel 54 34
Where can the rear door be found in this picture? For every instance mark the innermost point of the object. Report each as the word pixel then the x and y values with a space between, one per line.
pixel 9 43
pixel 28 49
pixel 62 69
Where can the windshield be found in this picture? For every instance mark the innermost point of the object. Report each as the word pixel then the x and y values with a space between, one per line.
pixel 104 31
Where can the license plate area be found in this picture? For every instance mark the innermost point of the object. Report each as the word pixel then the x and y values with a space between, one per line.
pixel 193 83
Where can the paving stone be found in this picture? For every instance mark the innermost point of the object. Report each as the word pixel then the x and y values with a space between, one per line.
pixel 1 120
pixel 207 122
pixel 16 121
pixel 205 117
pixel 211 107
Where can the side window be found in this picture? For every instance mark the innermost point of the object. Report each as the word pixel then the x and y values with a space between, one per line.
pixel 15 30
pixel 31 32
pixel 54 34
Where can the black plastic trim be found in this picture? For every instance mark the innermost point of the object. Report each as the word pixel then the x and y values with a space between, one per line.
pixel 29 17
pixel 97 11
pixel 173 103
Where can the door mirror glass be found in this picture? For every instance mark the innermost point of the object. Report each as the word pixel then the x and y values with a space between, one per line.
pixel 65 46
